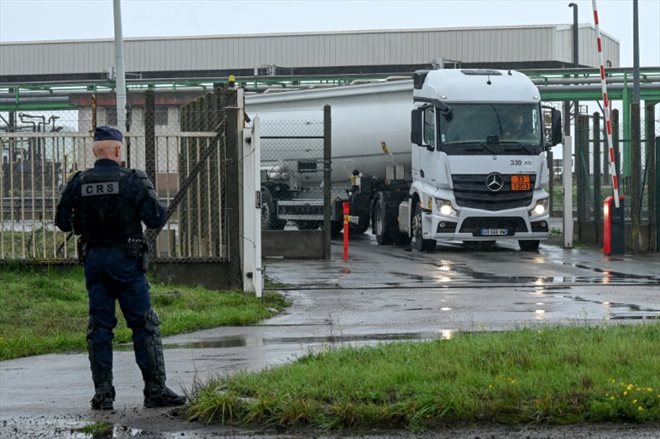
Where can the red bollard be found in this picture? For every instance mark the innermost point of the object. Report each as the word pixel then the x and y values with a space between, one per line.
pixel 346 226
pixel 613 227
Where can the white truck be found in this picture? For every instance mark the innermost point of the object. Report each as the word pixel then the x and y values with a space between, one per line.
pixel 475 171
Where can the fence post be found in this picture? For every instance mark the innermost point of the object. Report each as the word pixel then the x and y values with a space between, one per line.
pixel 567 185
pixel 192 156
pixel 551 179
pixel 635 178
pixel 327 180
pixel 221 180
pixel 184 148
pixel 597 178
pixel 150 148
pixel 216 173
pixel 651 157
pixel 615 141
pixel 205 187
pixel 234 191
pixel 150 135
pixel 582 170
pixel 657 194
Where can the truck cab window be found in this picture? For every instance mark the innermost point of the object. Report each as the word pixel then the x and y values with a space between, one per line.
pixel 429 126
pixel 505 128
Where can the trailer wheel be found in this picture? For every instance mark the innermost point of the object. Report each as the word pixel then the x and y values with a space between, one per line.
pixel 381 225
pixel 336 228
pixel 362 225
pixel 529 245
pixel 419 242
pixel 269 219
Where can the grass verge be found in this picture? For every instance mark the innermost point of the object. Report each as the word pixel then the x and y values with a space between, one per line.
pixel 45 311
pixel 558 375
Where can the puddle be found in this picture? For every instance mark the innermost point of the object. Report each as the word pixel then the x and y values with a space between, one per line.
pixel 641 313
pixel 614 275
pixel 243 341
pixel 415 277
pixel 633 317
pixel 99 430
pixel 223 342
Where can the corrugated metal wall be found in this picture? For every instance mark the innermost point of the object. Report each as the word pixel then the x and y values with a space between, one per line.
pixel 398 47
pixel 588 55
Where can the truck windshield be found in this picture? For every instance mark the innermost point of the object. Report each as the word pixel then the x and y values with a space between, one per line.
pixel 491 129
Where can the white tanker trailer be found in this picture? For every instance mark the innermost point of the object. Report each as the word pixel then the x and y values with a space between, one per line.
pixel 474 172
pixel 363 116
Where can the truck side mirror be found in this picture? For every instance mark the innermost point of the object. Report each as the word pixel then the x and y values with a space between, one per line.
pixel 556 134
pixel 416 127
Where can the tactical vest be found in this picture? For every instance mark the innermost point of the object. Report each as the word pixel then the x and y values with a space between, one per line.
pixel 105 212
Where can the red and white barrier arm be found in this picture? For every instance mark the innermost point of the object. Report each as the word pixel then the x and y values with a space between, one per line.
pixel 607 108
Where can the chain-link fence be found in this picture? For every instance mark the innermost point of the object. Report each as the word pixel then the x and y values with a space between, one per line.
pixel 179 143
pixel 292 170
pixel 592 181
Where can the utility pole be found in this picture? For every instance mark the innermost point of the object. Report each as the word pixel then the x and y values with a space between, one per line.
pixel 120 72
pixel 567 178
pixel 635 142
pixel 576 47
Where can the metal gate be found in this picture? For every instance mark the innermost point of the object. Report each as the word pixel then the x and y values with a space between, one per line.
pixel 36 167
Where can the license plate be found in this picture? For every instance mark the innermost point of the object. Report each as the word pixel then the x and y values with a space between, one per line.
pixel 494 232
pixel 521 183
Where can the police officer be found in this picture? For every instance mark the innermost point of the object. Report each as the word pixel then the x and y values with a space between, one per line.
pixel 106 205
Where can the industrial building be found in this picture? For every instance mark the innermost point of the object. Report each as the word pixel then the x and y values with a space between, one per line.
pixel 304 54
pixel 58 75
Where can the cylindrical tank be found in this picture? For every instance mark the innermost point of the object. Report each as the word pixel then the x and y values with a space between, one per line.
pixel 364 117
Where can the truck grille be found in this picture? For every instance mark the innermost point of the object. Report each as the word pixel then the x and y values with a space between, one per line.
pixel 470 191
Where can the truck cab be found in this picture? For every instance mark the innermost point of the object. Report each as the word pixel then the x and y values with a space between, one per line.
pixel 478 159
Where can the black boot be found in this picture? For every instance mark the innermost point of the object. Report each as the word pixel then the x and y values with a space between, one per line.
pixel 104 394
pixel 150 350
pixel 159 395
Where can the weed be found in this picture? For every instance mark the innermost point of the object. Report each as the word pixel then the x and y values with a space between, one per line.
pixel 96 430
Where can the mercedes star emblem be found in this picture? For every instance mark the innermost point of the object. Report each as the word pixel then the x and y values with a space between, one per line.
pixel 494 181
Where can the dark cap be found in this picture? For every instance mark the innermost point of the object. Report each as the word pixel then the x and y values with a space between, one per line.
pixel 107 133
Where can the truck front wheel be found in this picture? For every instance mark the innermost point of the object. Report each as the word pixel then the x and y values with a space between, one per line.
pixel 381 225
pixel 419 242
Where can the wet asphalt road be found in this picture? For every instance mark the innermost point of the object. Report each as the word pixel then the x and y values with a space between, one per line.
pixel 380 294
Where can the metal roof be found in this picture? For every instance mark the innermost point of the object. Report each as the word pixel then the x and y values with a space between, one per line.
pixel 311 53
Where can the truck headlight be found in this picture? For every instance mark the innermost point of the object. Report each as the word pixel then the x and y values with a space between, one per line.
pixel 541 208
pixel 444 207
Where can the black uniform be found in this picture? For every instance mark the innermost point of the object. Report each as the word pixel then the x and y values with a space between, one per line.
pixel 107 205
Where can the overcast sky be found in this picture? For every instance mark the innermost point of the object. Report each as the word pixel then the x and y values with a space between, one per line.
pixel 27 20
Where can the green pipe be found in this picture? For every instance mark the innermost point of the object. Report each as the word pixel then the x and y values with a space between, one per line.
pixel 37 106
pixel 592 95
pixel 558 93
